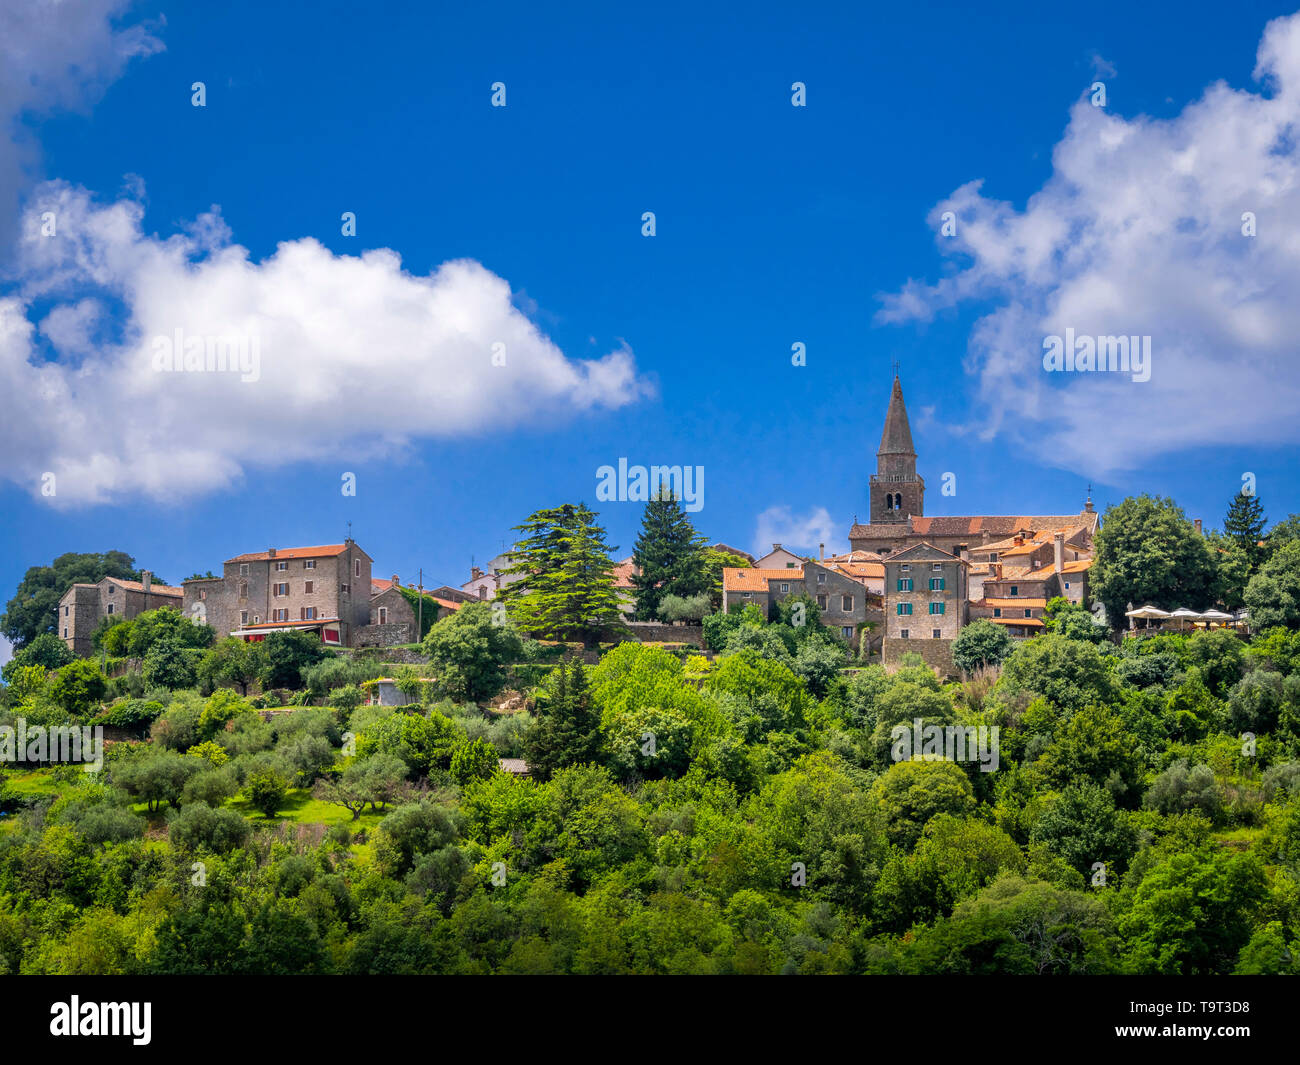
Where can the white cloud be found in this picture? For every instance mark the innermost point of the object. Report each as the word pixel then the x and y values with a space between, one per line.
pixel 56 55
pixel 800 533
pixel 1138 231
pixel 357 356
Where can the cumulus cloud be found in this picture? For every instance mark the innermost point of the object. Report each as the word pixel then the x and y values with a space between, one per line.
pixel 56 56
pixel 800 533
pixel 1139 231
pixel 355 356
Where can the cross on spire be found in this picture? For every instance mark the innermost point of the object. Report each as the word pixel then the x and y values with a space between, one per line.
pixel 895 367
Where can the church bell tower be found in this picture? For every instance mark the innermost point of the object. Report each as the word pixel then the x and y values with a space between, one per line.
pixel 897 493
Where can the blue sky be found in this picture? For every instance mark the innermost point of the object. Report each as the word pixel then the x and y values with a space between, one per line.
pixel 774 225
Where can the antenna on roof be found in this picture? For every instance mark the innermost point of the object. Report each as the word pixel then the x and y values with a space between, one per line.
pixel 895 367
pixel 349 531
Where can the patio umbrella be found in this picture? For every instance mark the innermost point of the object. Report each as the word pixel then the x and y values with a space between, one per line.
pixel 1184 615
pixel 1147 613
pixel 1217 615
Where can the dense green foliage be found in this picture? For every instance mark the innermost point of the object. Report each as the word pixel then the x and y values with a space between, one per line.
pixel 669 557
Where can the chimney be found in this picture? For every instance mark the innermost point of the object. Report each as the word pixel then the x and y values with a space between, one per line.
pixel 475 573
pixel 963 551
pixel 1058 546
pixel 821 552
pixel 776 547
pixel 1198 526
pixel 146 579
pixel 1019 541
pixel 984 534
pixel 270 552
pixel 396 583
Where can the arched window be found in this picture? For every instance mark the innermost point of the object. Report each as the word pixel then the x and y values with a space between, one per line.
pixel 889 501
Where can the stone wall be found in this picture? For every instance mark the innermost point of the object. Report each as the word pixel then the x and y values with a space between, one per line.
pixel 937 654
pixel 656 632
pixel 389 635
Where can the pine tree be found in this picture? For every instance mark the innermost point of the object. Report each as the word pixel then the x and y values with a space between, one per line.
pixel 669 556
pixel 567 729
pixel 1244 526
pixel 567 588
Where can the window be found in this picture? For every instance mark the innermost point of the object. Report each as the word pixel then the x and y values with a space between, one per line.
pixel 308 587
pixel 383 615
pixel 281 589
pixel 306 613
pixel 993 556
pixel 821 579
pixel 203 593
pixel 110 608
pixel 65 632
pixel 243 589
pixel 907 567
pixel 482 591
pixel 937 608
pixel 281 567
pixel 243 569
pixel 257 619
pixel 785 587
pixel 280 615
pixel 112 588
pixel 905 634
pixel 746 595
pixel 938 566
pixel 356 567
pixel 846 631
pixel 1067 586
pixel 343 587
pixel 821 602
pixel 846 602
pixel 997 611
pixel 309 563
pixel 904 584
pixel 1015 589
pixel 243 617
pixel 789 565
pixel 904 608
pixel 937 635
pixel 65 609
pixel 1028 613
pixel 936 584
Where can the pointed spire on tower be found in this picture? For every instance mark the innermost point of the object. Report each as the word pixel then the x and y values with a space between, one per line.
pixel 897 436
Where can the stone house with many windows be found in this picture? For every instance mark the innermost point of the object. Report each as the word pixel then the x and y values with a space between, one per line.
pixel 83 606
pixel 325 590
pixel 926 605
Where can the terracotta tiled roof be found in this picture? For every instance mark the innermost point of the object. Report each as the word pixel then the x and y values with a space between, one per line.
pixel 450 604
pixel 157 589
pixel 755 580
pixel 377 586
pixel 727 549
pixel 623 573
pixel 1033 623
pixel 1081 565
pixel 860 569
pixel 293 552
pixel 855 556
pixel 1040 603
pixel 1000 525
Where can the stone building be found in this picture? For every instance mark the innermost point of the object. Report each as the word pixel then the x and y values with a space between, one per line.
pixel 325 590
pixel 844 603
pixel 84 605
pixel 926 605
pixel 393 620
